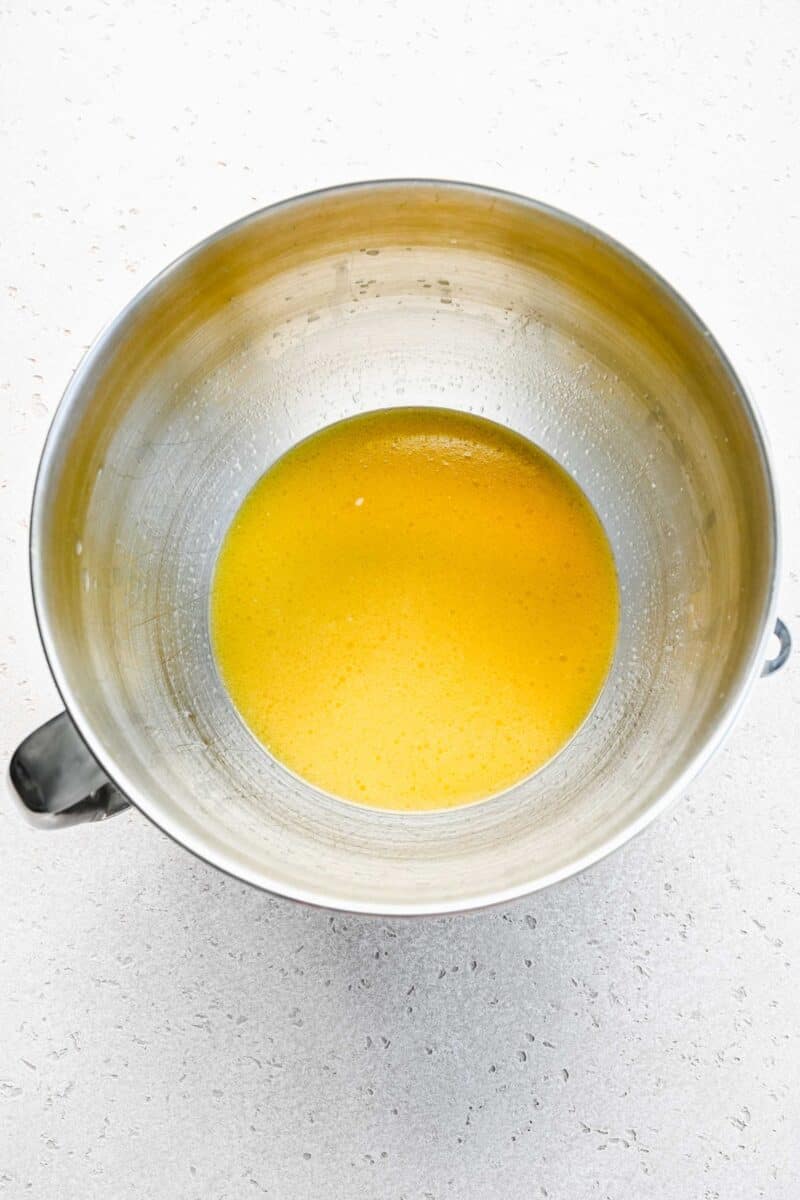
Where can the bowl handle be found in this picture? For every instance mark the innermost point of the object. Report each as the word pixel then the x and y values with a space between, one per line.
pixel 56 782
pixel 784 650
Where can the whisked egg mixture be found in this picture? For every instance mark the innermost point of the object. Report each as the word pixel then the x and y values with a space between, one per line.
pixel 414 608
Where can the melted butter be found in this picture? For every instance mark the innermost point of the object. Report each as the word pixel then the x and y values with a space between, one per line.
pixel 414 608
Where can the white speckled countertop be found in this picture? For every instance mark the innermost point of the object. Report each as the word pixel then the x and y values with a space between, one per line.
pixel 165 1032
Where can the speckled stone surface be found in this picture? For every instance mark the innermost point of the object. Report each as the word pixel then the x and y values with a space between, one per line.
pixel 165 1032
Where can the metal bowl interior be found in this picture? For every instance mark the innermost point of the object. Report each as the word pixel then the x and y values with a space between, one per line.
pixel 356 299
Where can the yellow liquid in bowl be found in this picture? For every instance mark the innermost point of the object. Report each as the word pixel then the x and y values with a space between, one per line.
pixel 414 608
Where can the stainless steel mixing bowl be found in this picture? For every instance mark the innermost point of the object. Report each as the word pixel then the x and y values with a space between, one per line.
pixel 352 299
